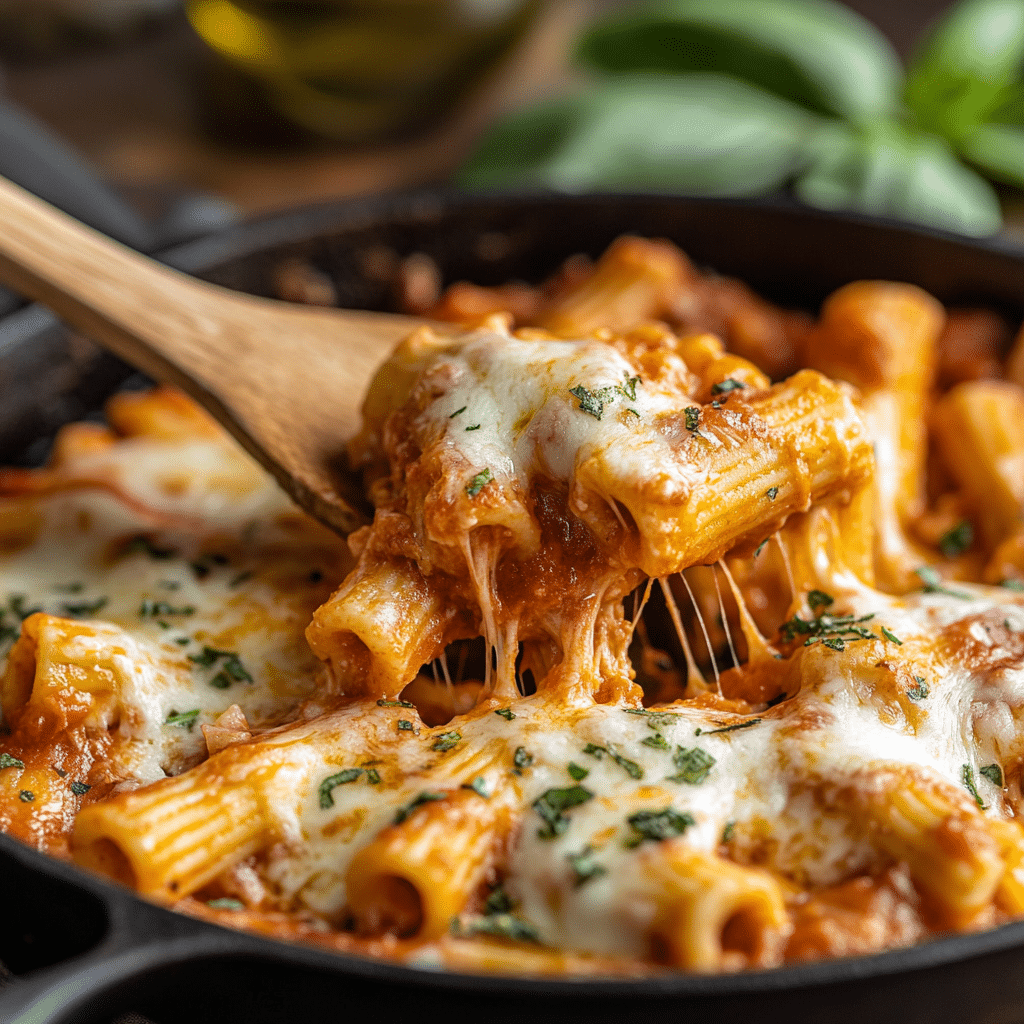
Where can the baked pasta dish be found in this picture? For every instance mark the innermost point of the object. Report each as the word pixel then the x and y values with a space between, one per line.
pixel 685 633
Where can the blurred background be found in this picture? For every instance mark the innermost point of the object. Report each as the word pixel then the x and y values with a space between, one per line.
pixel 203 110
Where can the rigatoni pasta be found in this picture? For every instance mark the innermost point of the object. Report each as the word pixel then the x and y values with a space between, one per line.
pixel 665 648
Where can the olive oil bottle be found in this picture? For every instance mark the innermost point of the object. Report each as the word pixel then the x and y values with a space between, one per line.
pixel 354 70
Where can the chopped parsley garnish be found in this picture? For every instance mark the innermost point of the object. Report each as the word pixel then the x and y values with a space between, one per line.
pixel 150 609
pixel 426 797
pixel 957 540
pixel 633 411
pixel 920 691
pixel 657 741
pixel 458 412
pixel 26 796
pixel 522 758
pixel 225 903
pixel 761 546
pixel 993 773
pixel 382 703
pixel 83 608
pixel 727 385
pixel 507 713
pixel 340 779
pixel 404 725
pixel 577 771
pixel 729 831
pixel 967 778
pixel 772 493
pixel 889 635
pixel 476 426
pixel 479 482
pixel 834 631
pixel 628 388
pixel 7 761
pixel 183 719
pixel 551 805
pixel 658 825
pixel 446 741
pixel 594 750
pixel 373 776
pixel 479 786
pixel 932 581
pixel 80 788
pixel 694 765
pixel 691 418
pixel 727 728
pixel 500 926
pixel 584 867
pixel 818 599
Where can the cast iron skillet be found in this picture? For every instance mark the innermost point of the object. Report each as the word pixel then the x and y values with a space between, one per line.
pixel 86 949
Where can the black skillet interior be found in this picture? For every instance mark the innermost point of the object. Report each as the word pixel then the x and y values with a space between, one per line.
pixel 88 949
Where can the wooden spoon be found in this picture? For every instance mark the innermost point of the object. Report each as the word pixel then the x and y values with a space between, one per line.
pixel 286 380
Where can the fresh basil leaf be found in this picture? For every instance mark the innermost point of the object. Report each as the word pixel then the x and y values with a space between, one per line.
pixel 998 149
pixel 700 134
pixel 813 52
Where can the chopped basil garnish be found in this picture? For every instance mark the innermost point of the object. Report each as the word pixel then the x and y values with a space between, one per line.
pixel 727 385
pixel 628 388
pixel 150 609
pixel 920 691
pixel 404 725
pixel 26 796
pixel 382 703
pixel 694 765
pixel 594 750
pixel 479 786
pixel 477 484
pixel 691 417
pixel 143 545
pixel 932 581
pixel 7 761
pixel 655 719
pixel 225 903
pixel 967 778
pixel 340 779
pixel 729 831
pixel 591 402
pixel 80 788
pixel 373 776
pixel 522 758
pixel 818 599
pixel 577 771
pixel 631 768
pixel 761 546
pixel 584 867
pixel 993 773
pixel 476 426
pixel 231 668
pixel 183 719
pixel 83 608
pixel 889 635
pixel 727 728
pixel 500 926
pixel 657 741
pixel 772 493
pixel 658 825
pixel 1016 585
pixel 425 797
pixel 458 412
pixel 551 804
pixel 957 540
pixel 498 902
pixel 446 741
pixel 507 713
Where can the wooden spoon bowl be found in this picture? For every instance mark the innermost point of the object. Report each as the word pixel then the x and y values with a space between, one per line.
pixel 286 380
